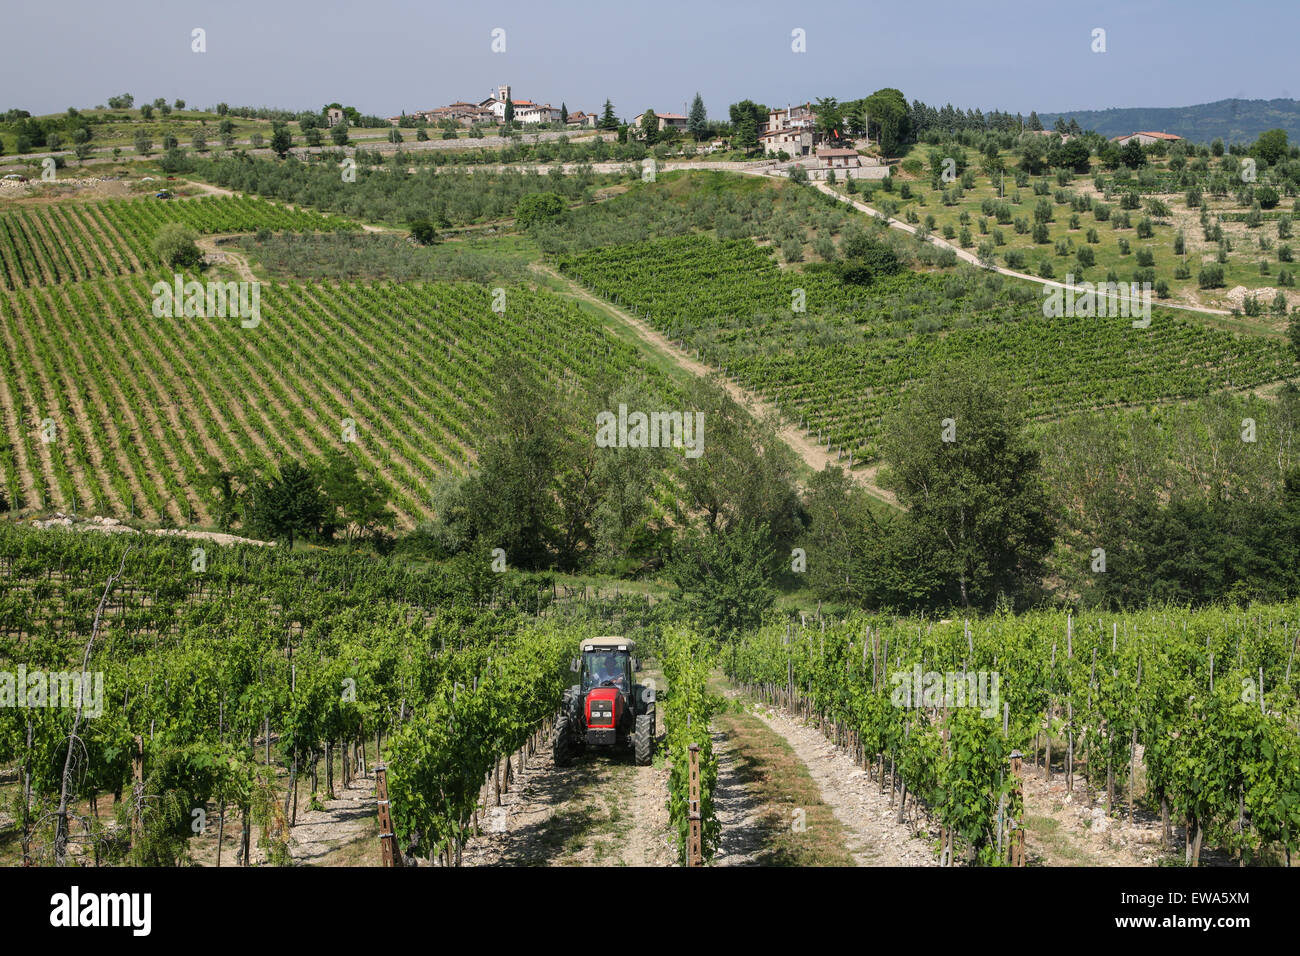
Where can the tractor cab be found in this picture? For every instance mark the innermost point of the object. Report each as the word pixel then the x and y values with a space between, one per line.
pixel 606 708
pixel 607 667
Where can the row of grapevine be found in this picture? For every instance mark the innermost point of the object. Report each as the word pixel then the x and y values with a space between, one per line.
pixel 67 242
pixel 687 709
pixel 1204 702
pixel 250 675
pixel 138 403
pixel 838 358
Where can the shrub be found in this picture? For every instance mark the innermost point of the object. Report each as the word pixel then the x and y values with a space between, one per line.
pixel 1210 277
pixel 865 258
pixel 424 232
pixel 539 208
pixel 175 246
pixel 1145 257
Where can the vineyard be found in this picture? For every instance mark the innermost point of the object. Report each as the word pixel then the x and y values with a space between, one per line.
pixel 1189 715
pixel 256 669
pixel 840 362
pixel 108 409
pixel 68 242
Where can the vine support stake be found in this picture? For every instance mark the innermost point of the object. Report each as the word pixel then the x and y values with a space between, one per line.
pixel 392 856
pixel 694 845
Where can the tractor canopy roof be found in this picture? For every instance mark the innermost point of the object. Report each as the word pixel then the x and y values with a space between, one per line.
pixel 609 644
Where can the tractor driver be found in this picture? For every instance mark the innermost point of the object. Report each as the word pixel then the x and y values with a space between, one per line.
pixel 604 669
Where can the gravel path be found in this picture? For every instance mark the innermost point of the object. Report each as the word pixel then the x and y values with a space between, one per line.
pixel 741 817
pixel 874 838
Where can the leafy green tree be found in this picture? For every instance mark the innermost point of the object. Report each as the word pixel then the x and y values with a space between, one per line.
pixel 747 118
pixel 726 578
pixel 357 505
pixel 424 231
pixel 223 487
pixel 650 127
pixel 1033 157
pixel 511 498
pixel 1034 124
pixel 564 114
pixel 510 110
pixel 143 144
pixel 745 475
pixel 864 259
pixel 959 460
pixel 175 246
pixel 1071 154
pixel 830 118
pixel 339 134
pixel 1271 146
pixel 1132 155
pixel 281 140
pixel 861 553
pixel 888 118
pixel 538 208
pixel 697 120
pixel 287 505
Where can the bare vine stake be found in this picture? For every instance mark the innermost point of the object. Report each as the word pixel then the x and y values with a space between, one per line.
pixel 61 825
pixel 1069 707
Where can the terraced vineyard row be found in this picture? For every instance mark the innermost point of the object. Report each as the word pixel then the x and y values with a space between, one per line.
pixel 47 245
pixel 107 408
pixel 841 365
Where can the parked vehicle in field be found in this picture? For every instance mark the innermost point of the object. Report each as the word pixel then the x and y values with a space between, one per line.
pixel 605 708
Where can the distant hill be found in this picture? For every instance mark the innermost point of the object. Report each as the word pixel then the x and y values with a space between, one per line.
pixel 1238 121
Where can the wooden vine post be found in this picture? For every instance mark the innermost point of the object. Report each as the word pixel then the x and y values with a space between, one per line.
pixel 1014 824
pixel 694 844
pixel 392 856
pixel 137 788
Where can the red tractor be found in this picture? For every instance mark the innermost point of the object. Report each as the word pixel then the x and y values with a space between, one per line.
pixel 605 708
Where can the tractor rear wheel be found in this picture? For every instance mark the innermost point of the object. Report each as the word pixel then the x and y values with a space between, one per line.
pixel 643 739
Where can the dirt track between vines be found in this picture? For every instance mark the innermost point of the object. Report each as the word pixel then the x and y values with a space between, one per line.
pixel 799 442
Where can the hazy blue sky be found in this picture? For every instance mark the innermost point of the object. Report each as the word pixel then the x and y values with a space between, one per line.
pixel 383 56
